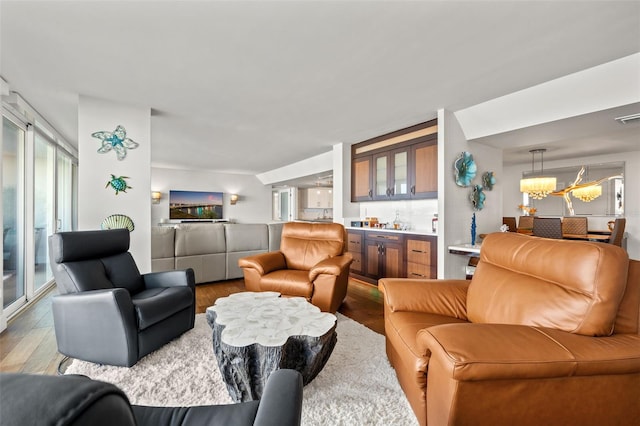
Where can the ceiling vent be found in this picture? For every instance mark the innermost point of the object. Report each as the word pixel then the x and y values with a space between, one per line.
pixel 628 118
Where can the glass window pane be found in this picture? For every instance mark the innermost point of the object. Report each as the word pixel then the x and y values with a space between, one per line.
pixel 65 198
pixel 44 185
pixel 12 212
pixel 381 175
pixel 400 172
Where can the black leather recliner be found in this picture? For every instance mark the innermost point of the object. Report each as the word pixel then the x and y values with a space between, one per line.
pixel 106 311
pixel 29 399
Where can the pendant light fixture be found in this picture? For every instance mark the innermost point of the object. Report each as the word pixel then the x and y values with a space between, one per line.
pixel 538 187
pixel 587 193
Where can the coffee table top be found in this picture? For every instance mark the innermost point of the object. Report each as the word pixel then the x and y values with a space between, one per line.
pixel 268 319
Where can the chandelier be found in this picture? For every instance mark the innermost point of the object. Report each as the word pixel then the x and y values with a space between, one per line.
pixel 588 193
pixel 540 186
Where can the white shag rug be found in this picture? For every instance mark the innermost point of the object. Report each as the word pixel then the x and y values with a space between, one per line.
pixel 357 386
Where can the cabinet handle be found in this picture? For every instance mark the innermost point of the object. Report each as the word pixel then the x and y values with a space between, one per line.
pixel 417 275
pixel 413 190
pixel 417 251
pixel 371 193
pixel 392 191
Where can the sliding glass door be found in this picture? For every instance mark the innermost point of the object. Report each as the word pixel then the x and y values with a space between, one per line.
pixel 13 248
pixel 66 173
pixel 43 208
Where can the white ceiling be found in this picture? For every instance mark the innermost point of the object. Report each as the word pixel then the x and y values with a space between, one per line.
pixel 247 86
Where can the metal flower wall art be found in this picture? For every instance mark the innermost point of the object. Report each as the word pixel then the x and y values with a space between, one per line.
pixel 488 180
pixel 477 197
pixel 119 184
pixel 464 169
pixel 116 141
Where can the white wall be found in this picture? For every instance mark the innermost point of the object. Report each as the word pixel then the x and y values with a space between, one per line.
pixel 253 206
pixel 512 196
pixel 454 207
pixel 343 209
pixel 95 202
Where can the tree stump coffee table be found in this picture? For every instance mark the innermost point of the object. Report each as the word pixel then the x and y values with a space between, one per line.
pixel 256 333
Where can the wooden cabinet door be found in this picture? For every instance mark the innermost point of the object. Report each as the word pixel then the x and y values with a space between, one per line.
pixel 418 259
pixel 392 258
pixel 424 170
pixel 361 179
pixel 354 246
pixel 384 258
pixel 372 262
pixel 391 175
pixel 380 177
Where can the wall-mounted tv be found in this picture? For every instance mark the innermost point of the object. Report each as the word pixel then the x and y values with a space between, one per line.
pixel 195 205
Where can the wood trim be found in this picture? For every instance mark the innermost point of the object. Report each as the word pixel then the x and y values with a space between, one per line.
pixel 396 137
pixel 396 140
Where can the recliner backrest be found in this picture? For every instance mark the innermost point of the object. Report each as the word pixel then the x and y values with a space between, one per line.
pixel 306 244
pixel 573 286
pixel 93 260
pixel 628 317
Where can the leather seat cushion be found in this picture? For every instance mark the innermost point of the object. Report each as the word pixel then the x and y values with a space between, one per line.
pixel 401 329
pixel 156 304
pixel 288 281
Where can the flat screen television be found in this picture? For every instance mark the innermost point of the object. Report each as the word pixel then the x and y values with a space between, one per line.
pixel 195 205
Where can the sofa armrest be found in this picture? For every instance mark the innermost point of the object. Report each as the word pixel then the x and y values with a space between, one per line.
pixel 178 278
pixel 281 401
pixel 264 262
pixel 441 297
pixel 97 325
pixel 332 266
pixel 476 352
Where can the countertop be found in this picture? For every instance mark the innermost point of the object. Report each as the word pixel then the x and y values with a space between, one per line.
pixel 398 231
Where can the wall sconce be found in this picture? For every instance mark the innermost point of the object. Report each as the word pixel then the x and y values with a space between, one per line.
pixel 233 199
pixel 155 197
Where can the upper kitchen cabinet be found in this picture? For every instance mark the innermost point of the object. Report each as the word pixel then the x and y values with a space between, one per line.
pixel 424 170
pixel 362 178
pixel 319 198
pixel 399 165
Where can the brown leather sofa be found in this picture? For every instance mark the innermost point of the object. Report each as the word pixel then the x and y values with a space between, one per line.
pixel 546 333
pixel 312 263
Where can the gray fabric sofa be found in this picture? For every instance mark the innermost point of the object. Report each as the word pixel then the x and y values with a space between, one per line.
pixel 212 250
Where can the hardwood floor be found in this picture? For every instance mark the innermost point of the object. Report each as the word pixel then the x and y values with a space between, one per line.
pixel 28 345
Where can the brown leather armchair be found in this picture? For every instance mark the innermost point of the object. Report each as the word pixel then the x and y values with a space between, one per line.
pixel 546 332
pixel 312 263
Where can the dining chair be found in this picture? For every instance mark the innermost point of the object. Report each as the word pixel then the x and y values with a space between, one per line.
pixel 525 224
pixel 511 223
pixel 547 227
pixel 574 225
pixel 618 232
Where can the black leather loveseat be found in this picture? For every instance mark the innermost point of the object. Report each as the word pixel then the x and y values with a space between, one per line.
pixel 29 399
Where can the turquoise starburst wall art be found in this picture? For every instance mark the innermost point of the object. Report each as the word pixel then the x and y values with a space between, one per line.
pixel 116 141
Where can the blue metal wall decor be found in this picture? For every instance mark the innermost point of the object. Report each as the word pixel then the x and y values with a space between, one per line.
pixel 477 197
pixel 488 180
pixel 119 184
pixel 464 169
pixel 116 141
